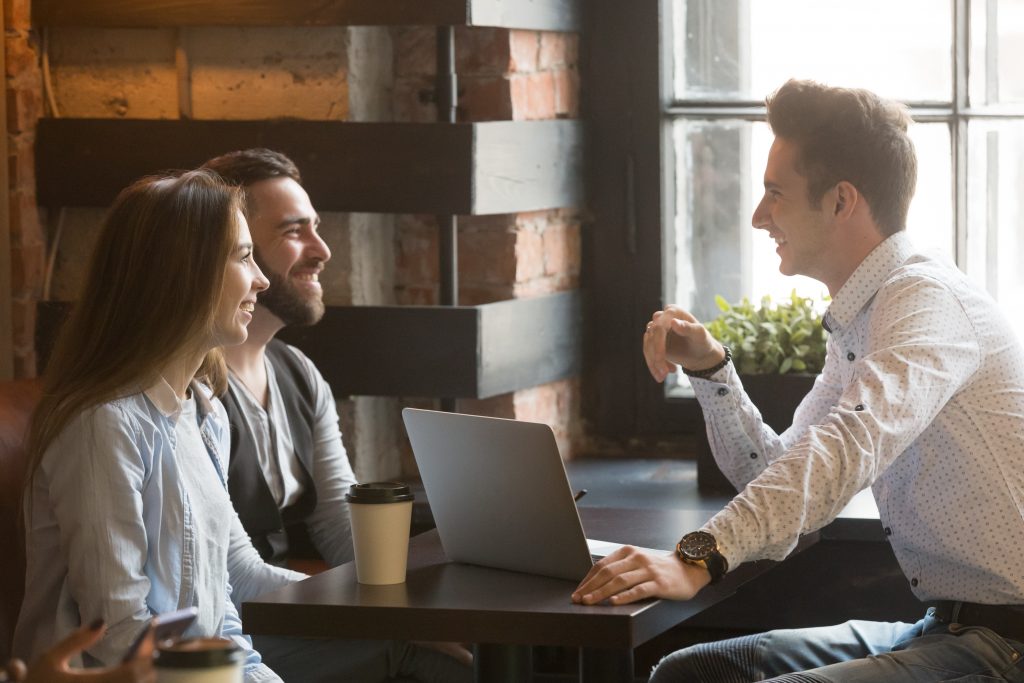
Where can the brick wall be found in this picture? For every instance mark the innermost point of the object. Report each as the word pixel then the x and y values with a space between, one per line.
pixel 23 90
pixel 503 75
pixel 333 73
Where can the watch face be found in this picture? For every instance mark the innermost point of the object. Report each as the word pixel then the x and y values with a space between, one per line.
pixel 698 545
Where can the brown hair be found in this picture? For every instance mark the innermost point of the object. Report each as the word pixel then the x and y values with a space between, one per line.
pixel 151 293
pixel 852 135
pixel 248 166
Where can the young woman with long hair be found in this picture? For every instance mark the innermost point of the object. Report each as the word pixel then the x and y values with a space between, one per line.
pixel 126 509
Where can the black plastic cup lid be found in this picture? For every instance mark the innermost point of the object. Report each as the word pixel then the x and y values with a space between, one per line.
pixel 379 492
pixel 200 653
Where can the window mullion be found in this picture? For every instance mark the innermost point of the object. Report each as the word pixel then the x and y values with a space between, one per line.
pixel 958 127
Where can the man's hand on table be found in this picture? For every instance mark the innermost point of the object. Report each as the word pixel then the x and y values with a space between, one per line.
pixel 629 574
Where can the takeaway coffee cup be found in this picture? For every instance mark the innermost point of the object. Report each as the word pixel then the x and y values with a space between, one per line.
pixel 381 514
pixel 199 660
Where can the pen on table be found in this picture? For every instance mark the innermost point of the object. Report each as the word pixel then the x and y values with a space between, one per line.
pixel 580 494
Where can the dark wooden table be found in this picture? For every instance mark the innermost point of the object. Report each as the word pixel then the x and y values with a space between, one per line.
pixel 506 612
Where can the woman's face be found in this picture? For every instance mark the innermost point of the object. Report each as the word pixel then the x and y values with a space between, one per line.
pixel 242 281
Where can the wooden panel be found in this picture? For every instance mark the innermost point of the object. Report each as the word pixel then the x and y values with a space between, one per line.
pixel 393 350
pixel 436 168
pixel 527 342
pixel 462 352
pixel 539 164
pixel 551 15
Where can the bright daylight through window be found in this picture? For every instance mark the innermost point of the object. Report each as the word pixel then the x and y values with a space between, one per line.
pixel 956 64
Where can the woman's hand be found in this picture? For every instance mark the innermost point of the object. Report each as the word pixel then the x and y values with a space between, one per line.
pixel 53 667
pixel 629 574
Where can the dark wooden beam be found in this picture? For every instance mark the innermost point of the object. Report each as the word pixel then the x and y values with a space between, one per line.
pixel 462 351
pixel 545 15
pixel 436 168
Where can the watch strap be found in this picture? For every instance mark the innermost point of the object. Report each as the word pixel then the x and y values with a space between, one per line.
pixel 708 372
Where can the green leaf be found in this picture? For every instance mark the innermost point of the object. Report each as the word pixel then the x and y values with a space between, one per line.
pixel 786 337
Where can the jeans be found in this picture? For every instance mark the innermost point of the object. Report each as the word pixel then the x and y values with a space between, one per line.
pixel 357 661
pixel 855 652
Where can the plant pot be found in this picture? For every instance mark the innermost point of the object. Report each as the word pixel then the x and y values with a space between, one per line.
pixel 777 397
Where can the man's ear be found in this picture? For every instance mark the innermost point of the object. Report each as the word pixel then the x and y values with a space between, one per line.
pixel 846 199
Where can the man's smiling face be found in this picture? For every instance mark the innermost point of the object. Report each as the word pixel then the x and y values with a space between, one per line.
pixel 289 249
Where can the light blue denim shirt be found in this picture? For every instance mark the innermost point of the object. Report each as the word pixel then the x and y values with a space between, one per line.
pixel 109 530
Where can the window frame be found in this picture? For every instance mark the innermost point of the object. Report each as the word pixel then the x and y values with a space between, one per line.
pixel 629 105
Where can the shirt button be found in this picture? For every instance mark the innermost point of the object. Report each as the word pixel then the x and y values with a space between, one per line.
pixel 753 456
pixel 722 391
pixel 859 407
pixel 914 582
pixel 888 531
pixel 851 356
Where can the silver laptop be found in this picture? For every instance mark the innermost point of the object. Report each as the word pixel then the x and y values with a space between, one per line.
pixel 499 494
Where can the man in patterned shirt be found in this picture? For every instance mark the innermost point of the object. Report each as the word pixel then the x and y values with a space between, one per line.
pixel 921 398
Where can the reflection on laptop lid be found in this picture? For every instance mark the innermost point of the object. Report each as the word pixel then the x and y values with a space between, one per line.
pixel 499 493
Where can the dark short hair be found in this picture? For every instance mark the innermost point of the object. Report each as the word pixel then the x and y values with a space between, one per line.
pixel 248 166
pixel 853 135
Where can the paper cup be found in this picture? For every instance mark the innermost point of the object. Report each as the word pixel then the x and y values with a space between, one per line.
pixel 381 514
pixel 199 660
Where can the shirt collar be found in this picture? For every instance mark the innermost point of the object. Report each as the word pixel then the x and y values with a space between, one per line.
pixel 866 280
pixel 167 402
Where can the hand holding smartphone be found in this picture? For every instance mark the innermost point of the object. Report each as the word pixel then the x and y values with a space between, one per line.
pixel 166 625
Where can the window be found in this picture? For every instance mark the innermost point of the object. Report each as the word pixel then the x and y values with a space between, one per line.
pixel 674 92
pixel 952 63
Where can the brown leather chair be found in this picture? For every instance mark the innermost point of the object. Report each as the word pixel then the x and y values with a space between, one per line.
pixel 17 400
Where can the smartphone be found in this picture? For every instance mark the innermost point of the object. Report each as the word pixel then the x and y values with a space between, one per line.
pixel 166 625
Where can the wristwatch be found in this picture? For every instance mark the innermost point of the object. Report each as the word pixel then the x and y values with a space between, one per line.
pixel 701 548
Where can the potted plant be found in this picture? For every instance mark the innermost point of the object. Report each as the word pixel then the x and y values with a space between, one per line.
pixel 777 349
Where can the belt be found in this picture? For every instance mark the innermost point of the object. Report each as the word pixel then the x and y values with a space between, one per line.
pixel 1005 620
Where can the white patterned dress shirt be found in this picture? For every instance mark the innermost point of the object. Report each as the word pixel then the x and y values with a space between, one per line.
pixel 921 398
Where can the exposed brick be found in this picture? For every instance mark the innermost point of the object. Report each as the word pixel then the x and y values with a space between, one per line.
pixel 416 247
pixel 268 72
pixel 524 47
pixel 533 96
pixel 555 404
pixel 487 256
pixel 477 295
pixel 567 89
pixel 26 228
pixel 482 51
pixel 18 14
pixel 529 255
pixel 485 99
pixel 562 247
pixel 24 107
pixel 413 99
pixel 478 51
pixel 20 53
pixel 21 168
pixel 536 404
pixel 502 405
pixel 27 267
pixel 415 49
pixel 557 49
pixel 416 295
